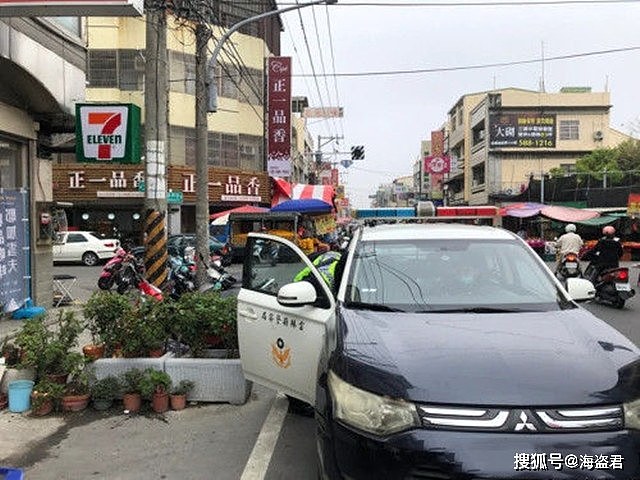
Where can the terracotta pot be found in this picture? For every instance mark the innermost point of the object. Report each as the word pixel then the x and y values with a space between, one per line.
pixel 160 402
pixel 132 402
pixel 75 403
pixel 93 352
pixel 156 353
pixel 58 378
pixel 178 402
pixel 45 407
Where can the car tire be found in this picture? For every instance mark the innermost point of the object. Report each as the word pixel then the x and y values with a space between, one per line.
pixel 90 259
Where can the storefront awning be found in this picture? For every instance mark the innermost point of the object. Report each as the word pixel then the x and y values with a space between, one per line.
pixel 568 214
pixel 522 210
pixel 284 191
pixel 599 221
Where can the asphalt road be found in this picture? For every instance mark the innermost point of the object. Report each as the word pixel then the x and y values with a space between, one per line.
pixel 210 441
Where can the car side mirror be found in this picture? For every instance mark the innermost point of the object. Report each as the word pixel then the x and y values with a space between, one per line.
pixel 297 294
pixel 580 289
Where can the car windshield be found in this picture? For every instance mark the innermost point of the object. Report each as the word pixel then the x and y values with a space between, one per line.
pixel 479 276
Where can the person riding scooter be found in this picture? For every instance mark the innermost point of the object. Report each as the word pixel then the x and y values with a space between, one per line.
pixel 570 242
pixel 606 254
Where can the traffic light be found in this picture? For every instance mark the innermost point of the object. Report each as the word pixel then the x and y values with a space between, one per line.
pixel 357 152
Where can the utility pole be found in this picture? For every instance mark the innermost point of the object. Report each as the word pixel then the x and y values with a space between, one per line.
pixel 207 101
pixel 202 155
pixel 155 134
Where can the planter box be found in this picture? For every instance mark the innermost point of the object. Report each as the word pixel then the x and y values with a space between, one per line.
pixel 215 379
pixel 117 366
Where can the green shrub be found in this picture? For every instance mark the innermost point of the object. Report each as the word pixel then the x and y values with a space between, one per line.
pixel 154 381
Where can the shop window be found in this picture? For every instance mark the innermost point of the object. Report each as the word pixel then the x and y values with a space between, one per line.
pixel 10 164
pixel 569 129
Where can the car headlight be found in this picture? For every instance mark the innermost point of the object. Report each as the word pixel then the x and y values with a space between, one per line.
pixel 369 412
pixel 632 414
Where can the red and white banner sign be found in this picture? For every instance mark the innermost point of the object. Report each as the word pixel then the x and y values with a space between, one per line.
pixel 437 164
pixel 279 116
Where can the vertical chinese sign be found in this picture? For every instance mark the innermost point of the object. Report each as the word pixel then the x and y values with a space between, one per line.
pixel 437 165
pixel 14 250
pixel 279 116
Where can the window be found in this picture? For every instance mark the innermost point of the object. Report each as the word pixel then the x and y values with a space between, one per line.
pixel 250 152
pixel 70 24
pixel 76 238
pixel 569 129
pixel 273 265
pixel 131 66
pixel 229 88
pixel 10 153
pixel 182 72
pixel 102 71
pixel 477 176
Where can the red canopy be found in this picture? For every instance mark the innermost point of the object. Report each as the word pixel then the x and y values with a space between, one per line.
pixel 284 191
pixel 242 209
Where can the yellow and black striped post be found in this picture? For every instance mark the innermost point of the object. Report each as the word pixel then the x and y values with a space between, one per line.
pixel 155 251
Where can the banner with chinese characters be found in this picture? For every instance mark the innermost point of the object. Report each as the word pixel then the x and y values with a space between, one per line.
pixel 82 182
pixel 108 133
pixel 436 165
pixel 279 116
pixel 14 249
pixel 522 130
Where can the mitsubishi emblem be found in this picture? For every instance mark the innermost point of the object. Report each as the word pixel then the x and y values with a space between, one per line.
pixel 524 423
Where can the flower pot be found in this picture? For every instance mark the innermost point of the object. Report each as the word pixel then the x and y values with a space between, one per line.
pixel 160 402
pixel 178 402
pixel 93 352
pixel 102 404
pixel 132 402
pixel 156 352
pixel 75 403
pixel 57 378
pixel 44 406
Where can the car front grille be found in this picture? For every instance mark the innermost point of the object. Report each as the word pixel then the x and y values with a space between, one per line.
pixel 522 420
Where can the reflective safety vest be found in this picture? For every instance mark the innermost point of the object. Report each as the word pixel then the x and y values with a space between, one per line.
pixel 326 265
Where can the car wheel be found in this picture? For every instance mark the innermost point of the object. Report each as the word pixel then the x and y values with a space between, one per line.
pixel 90 259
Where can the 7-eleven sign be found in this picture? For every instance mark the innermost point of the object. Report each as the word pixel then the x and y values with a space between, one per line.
pixel 104 133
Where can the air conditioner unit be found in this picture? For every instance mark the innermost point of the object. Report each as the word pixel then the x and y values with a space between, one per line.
pixel 598 135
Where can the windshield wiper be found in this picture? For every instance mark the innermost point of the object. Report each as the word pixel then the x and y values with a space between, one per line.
pixel 372 306
pixel 475 310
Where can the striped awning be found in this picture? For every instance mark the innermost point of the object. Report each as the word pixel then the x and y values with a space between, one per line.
pixel 284 191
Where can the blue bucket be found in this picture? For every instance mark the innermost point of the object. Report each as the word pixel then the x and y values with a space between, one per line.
pixel 20 395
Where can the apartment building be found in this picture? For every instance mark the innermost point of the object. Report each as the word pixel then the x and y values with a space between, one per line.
pixel 115 74
pixel 498 139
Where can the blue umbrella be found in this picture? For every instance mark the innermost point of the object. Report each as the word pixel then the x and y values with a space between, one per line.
pixel 303 206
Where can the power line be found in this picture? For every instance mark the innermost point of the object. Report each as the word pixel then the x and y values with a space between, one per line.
pixel 508 3
pixel 333 67
pixel 479 66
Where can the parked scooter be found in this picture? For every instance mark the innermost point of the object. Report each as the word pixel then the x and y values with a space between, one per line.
pixel 129 275
pixel 112 269
pixel 612 285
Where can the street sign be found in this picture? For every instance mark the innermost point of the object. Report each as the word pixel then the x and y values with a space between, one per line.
pixel 141 186
pixel 174 197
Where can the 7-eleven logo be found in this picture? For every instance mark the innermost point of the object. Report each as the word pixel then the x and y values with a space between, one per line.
pixel 104 131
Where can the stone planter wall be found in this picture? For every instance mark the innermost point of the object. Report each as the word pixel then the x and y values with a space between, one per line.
pixel 215 379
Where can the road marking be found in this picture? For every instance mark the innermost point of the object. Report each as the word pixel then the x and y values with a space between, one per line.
pixel 258 463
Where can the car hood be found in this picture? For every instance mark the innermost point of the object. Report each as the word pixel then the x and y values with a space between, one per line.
pixel 567 357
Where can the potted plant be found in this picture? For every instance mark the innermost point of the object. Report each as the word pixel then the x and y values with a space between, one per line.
pixel 49 352
pixel 77 392
pixel 156 385
pixel 103 314
pixel 178 397
pixel 11 353
pixel 44 396
pixel 105 391
pixel 131 382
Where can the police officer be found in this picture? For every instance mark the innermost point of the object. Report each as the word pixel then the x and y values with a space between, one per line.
pixel 325 263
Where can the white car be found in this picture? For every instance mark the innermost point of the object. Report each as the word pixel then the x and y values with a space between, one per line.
pixel 85 247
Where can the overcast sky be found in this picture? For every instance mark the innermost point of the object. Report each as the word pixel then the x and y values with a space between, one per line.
pixel 390 115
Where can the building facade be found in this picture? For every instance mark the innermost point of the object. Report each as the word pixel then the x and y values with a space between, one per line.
pixel 42 76
pixel 497 140
pixel 236 146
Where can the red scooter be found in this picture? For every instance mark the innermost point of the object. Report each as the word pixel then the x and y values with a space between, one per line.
pixel 112 269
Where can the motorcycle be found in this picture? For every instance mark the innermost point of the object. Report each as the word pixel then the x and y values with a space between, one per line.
pixel 612 285
pixel 569 267
pixel 131 270
pixel 219 277
pixel 181 276
pixel 111 269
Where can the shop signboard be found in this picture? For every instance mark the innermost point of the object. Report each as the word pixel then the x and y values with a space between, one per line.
pixel 522 130
pixel 108 133
pixel 633 205
pixel 279 116
pixel 14 249
pixel 174 197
